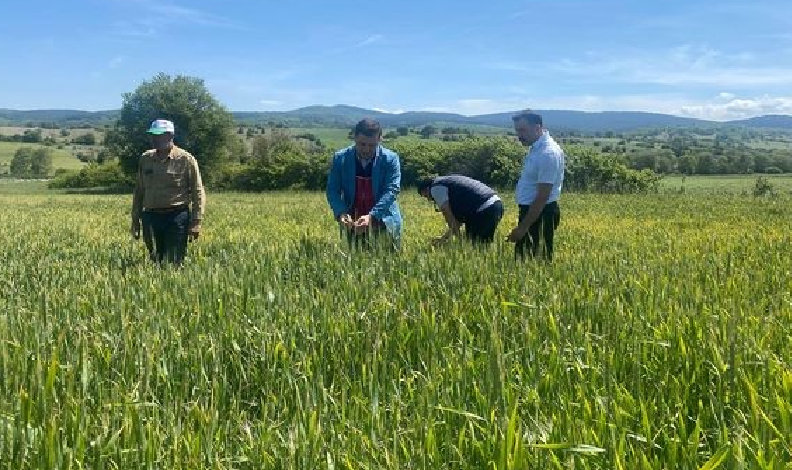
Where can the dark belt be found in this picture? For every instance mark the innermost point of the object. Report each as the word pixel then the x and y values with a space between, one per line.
pixel 167 210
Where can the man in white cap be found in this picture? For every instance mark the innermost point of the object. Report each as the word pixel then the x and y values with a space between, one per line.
pixel 169 196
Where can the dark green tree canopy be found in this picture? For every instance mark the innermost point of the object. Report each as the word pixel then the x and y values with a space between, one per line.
pixel 203 126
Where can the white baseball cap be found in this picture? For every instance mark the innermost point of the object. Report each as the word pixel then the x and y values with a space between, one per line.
pixel 161 126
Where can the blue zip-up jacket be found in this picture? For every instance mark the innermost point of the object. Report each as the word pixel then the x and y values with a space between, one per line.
pixel 385 181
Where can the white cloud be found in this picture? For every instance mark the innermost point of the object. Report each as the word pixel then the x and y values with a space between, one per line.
pixel 270 102
pixel 739 108
pixel 176 13
pixel 154 17
pixel 370 40
pixel 116 62
pixel 435 109
pixel 722 107
pixel 684 65
pixel 388 111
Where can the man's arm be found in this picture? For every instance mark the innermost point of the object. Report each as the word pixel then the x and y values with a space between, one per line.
pixel 451 221
pixel 197 196
pixel 137 204
pixel 542 195
pixel 333 192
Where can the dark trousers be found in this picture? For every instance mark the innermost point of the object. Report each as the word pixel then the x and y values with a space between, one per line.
pixel 165 234
pixel 480 227
pixel 547 223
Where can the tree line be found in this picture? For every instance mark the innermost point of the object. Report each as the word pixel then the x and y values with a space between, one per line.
pixel 276 159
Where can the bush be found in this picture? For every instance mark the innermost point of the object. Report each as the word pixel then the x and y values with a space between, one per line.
pixel 31 163
pixel 109 175
pixel 85 139
pixel 277 161
pixel 589 170
pixel 763 187
pixel 492 160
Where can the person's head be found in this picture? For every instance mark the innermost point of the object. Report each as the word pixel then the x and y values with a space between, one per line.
pixel 528 125
pixel 161 132
pixel 367 134
pixel 425 188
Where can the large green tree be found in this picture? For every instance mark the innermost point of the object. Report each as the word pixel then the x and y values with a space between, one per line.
pixel 204 127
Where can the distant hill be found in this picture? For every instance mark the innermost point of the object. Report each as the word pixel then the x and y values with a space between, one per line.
pixel 617 121
pixel 342 115
pixel 770 121
pixel 346 116
pixel 61 117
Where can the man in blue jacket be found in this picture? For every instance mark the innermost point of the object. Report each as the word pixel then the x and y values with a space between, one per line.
pixel 362 186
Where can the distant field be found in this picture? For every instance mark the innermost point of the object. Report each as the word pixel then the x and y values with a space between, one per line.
pixel 12 186
pixel 332 138
pixel 60 158
pixel 734 184
pixel 54 133
pixel 769 144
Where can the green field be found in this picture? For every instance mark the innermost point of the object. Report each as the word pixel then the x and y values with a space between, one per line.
pixel 659 339
pixel 54 133
pixel 60 158
pixel 731 184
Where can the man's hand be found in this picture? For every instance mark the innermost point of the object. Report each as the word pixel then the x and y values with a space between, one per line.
pixel 517 234
pixel 363 223
pixel 346 221
pixel 135 230
pixel 437 241
pixel 195 230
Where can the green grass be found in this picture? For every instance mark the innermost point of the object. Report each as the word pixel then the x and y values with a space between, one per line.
pixel 734 184
pixel 60 158
pixel 23 187
pixel 332 138
pixel 659 339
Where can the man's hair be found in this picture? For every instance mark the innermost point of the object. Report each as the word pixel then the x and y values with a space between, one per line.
pixel 424 184
pixel 529 116
pixel 368 127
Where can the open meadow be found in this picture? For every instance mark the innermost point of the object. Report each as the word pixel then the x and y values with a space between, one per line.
pixel 658 339
pixel 60 158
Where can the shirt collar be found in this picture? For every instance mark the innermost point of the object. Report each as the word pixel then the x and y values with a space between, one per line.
pixel 170 155
pixel 541 140
pixel 376 154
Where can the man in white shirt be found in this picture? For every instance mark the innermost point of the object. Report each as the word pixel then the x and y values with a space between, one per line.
pixel 538 188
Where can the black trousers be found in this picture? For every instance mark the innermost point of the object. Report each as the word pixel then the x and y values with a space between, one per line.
pixel 547 223
pixel 481 226
pixel 165 234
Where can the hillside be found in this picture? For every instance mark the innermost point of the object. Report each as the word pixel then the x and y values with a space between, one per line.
pixel 345 116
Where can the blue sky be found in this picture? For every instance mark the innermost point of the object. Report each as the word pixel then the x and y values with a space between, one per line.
pixel 711 59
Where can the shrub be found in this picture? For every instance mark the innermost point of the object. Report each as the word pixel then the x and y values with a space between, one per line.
pixel 108 175
pixel 763 187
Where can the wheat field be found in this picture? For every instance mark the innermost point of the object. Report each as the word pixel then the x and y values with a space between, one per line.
pixel 658 339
